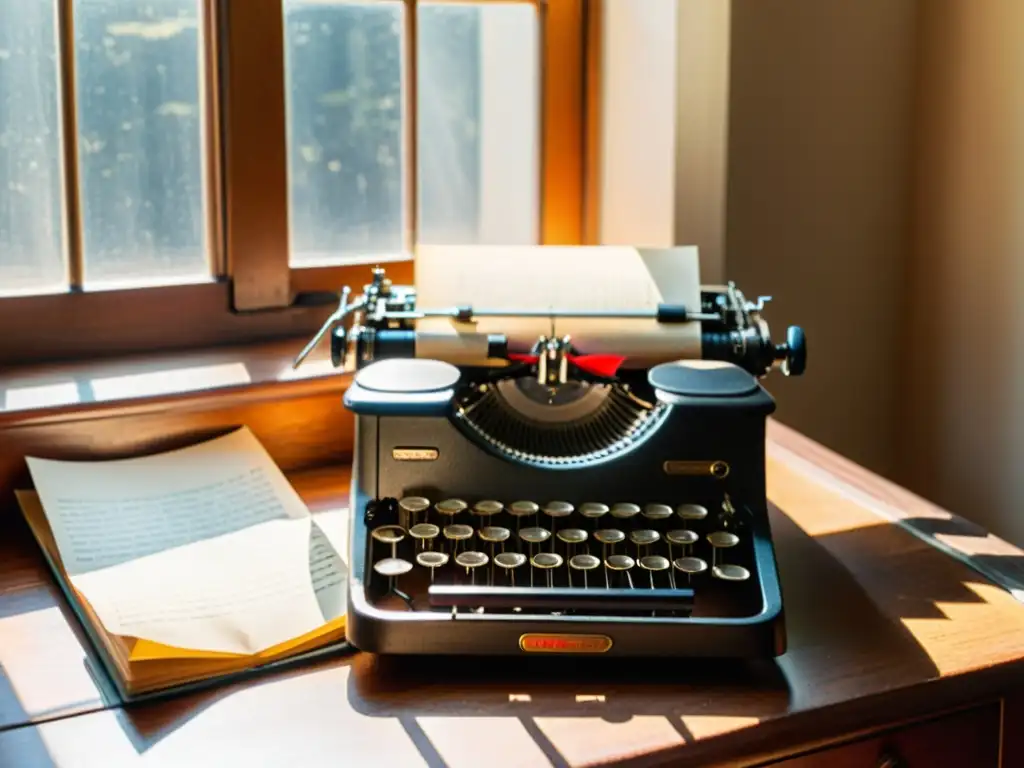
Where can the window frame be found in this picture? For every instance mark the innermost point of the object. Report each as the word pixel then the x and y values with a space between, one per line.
pixel 254 294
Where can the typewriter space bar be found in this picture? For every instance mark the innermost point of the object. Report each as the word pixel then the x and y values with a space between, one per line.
pixel 560 598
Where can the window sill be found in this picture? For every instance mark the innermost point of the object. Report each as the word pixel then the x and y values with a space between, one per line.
pixel 36 394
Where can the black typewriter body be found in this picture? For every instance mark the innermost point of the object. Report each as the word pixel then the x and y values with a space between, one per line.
pixel 537 507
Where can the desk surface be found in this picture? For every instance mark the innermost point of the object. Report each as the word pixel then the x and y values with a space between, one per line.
pixel 882 626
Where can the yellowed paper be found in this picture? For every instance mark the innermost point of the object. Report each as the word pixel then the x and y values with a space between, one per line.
pixel 205 548
pixel 567 278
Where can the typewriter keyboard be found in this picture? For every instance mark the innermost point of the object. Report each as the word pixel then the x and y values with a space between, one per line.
pixel 590 558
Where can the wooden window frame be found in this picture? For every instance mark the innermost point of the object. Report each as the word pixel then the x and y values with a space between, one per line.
pixel 254 294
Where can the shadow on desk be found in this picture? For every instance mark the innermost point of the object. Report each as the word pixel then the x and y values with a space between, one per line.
pixel 851 598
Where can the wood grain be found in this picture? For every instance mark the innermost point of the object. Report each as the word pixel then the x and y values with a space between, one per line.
pixel 884 630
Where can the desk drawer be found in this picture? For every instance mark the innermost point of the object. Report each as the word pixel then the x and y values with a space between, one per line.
pixel 966 739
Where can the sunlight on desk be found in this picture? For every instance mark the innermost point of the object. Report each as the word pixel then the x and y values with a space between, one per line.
pixel 46 678
pixel 40 396
pixel 169 381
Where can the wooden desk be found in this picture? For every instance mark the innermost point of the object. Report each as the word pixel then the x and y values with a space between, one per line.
pixel 893 644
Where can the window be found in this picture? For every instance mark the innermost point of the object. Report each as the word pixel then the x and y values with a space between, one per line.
pixel 181 173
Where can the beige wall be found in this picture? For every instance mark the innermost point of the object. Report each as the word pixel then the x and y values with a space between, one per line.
pixel 963 387
pixel 820 126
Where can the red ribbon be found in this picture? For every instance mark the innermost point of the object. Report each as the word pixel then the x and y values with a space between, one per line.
pixel 596 365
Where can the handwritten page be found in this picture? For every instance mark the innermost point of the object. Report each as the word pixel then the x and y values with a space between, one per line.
pixel 206 548
pixel 566 278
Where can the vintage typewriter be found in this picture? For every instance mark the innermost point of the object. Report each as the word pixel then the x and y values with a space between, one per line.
pixel 540 491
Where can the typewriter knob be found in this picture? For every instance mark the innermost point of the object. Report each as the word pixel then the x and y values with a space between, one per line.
pixel 794 352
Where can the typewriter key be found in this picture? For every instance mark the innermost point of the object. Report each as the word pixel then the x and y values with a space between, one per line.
pixel 392 567
pixel 621 563
pixel 533 537
pixel 488 508
pixel 424 532
pixel 691 511
pixel 644 538
pixel 689 566
pixel 557 509
pixel 652 563
pixel 510 561
pixel 609 535
pixel 624 511
pixel 432 560
pixel 389 534
pixel 657 512
pixel 730 572
pixel 450 507
pixel 683 539
pixel 521 509
pixel 456 533
pixel 493 534
pixel 721 540
pixel 471 561
pixel 593 510
pixel 583 563
pixel 547 561
pixel 411 506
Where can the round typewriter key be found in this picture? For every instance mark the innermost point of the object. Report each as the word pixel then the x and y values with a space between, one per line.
pixel 510 561
pixel 583 563
pixel 388 534
pixel 451 507
pixel 424 531
pixel 572 536
pixel 652 563
pixel 609 535
pixel 522 508
pixel 731 572
pixel 723 539
pixel 535 535
pixel 411 506
pixel 471 561
pixel 558 509
pixel 621 563
pixel 624 511
pixel 432 560
pixel 547 561
pixel 657 511
pixel 457 533
pixel 644 538
pixel 488 508
pixel 392 566
pixel 689 565
pixel 593 510
pixel 682 538
pixel 691 511
pixel 494 533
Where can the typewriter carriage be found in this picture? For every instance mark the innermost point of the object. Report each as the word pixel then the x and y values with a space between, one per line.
pixel 545 424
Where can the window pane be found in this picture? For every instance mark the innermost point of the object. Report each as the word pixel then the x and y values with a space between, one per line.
pixel 478 103
pixel 31 224
pixel 141 140
pixel 345 134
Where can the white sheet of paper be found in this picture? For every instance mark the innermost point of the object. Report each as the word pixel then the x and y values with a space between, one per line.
pixel 208 547
pixel 591 278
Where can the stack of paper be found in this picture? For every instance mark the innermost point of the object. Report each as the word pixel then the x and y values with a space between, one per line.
pixel 193 563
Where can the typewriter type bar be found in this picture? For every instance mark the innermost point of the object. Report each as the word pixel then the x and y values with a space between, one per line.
pixel 562 599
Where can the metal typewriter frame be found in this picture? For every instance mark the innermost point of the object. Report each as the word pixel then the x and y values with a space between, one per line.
pixel 733 331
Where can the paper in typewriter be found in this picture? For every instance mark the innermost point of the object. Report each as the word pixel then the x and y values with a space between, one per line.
pixel 553 278
pixel 206 548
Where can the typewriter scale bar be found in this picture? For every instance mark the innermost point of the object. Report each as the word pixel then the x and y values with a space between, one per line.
pixel 597 561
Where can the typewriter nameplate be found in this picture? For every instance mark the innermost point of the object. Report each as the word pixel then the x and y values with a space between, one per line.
pixel 716 469
pixel 414 454
pixel 563 643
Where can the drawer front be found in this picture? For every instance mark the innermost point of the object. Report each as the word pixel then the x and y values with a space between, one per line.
pixel 967 739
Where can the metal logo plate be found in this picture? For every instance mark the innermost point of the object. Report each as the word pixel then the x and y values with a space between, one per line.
pixel 564 643
pixel 414 454
pixel 716 469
